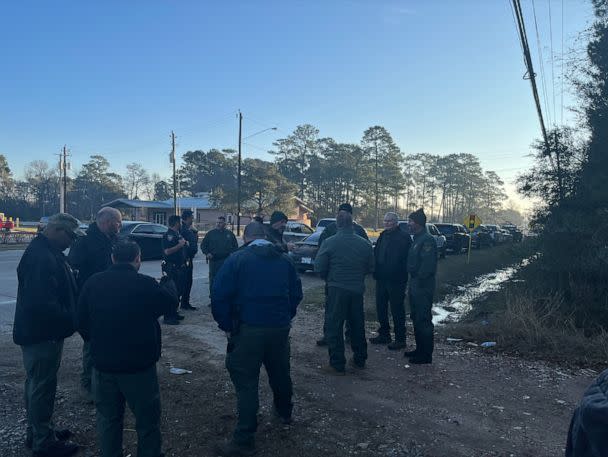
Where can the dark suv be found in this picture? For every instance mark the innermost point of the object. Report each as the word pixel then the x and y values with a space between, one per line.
pixel 457 238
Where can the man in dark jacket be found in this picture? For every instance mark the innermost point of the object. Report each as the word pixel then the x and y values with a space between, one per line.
pixel 343 261
pixel 44 316
pixel 118 312
pixel 174 263
pixel 390 273
pixel 422 267
pixel 274 231
pixel 92 254
pixel 217 245
pixel 587 436
pixel 190 234
pixel 254 299
pixel 331 230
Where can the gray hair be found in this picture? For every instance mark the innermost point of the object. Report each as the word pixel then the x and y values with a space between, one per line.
pixel 107 213
pixel 392 216
pixel 63 221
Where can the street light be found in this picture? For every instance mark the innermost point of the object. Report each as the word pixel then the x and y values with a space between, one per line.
pixel 238 178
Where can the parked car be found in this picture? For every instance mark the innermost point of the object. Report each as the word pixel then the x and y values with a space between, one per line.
pixel 456 236
pixel 295 231
pixel 518 235
pixel 324 223
pixel 432 230
pixel 147 235
pixel 507 237
pixel 305 252
pixel 480 237
pixel 496 234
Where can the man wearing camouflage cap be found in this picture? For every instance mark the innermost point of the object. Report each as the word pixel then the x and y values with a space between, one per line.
pixel 44 316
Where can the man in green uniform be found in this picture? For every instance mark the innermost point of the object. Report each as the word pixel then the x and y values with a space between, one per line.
pixel 44 317
pixel 390 273
pixel 331 230
pixel 217 245
pixel 343 261
pixel 422 267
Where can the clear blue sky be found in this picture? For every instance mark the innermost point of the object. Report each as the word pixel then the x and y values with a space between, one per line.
pixel 115 77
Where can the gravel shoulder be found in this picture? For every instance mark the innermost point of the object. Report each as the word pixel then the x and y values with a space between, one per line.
pixel 468 403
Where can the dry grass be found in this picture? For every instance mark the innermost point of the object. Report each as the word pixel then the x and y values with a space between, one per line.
pixel 538 328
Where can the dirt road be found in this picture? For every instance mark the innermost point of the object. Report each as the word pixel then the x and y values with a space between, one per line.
pixel 468 403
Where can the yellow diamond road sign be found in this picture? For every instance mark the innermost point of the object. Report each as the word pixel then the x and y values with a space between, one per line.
pixel 471 222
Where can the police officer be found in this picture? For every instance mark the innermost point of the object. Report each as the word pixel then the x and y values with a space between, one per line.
pixel 44 316
pixel 390 273
pixel 331 230
pixel 118 313
pixel 254 299
pixel 92 254
pixel 343 261
pixel 217 245
pixel 190 234
pixel 174 264
pixel 422 267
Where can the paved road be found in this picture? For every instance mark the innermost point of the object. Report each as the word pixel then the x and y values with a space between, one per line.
pixel 9 259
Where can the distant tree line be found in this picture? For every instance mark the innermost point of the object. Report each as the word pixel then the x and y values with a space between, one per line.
pixel 374 175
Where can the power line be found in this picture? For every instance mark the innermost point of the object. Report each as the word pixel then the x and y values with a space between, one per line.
pixel 541 63
pixel 530 67
pixel 552 62
pixel 562 90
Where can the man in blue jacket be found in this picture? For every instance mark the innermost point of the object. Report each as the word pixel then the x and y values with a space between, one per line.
pixel 254 299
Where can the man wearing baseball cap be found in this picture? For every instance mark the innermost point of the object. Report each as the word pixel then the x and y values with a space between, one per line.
pixel 44 317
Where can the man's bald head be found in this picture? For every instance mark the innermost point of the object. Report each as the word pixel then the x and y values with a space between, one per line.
pixel 108 220
pixel 254 231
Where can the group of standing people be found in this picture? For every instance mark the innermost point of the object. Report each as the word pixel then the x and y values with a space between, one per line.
pixel 255 291
pixel 344 259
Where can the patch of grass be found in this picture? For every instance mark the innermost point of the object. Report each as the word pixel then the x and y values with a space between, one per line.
pixel 536 327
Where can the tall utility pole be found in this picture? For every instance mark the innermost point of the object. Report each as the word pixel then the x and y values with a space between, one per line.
pixel 174 174
pixel 63 179
pixel 238 179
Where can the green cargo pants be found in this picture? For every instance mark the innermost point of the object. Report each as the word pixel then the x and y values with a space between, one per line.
pixel 247 351
pixel 41 362
pixel 421 304
pixel 140 391
pixel 345 306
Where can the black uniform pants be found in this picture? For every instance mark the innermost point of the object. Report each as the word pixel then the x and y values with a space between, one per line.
pixel 393 293
pixel 345 306
pixel 421 304
pixel 247 351
pixel 187 286
pixel 177 275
